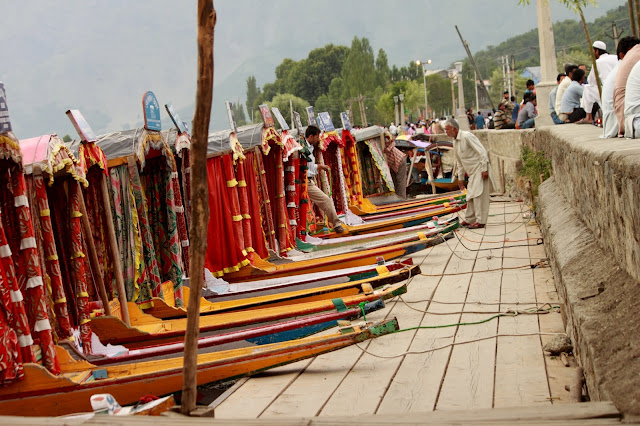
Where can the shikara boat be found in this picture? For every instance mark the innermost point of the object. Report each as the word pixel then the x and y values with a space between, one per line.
pixel 404 220
pixel 267 270
pixel 147 330
pixel 261 335
pixel 244 289
pixel 43 394
pixel 165 311
pixel 371 208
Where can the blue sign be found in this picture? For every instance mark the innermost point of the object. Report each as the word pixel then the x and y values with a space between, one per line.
pixel 5 122
pixel 325 120
pixel 175 118
pixel 311 117
pixel 346 124
pixel 82 126
pixel 151 109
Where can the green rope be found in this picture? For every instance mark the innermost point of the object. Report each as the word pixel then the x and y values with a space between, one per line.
pixel 361 305
pixel 510 314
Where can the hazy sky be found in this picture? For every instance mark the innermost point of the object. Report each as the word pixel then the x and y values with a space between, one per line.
pixel 101 56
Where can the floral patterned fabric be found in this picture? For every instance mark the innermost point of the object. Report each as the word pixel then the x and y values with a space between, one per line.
pixel 274 169
pixel 265 202
pixel 157 183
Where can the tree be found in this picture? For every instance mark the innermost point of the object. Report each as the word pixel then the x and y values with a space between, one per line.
pixel 383 73
pixel 395 74
pixel 253 92
pixel 67 138
pixel 281 101
pixel 358 71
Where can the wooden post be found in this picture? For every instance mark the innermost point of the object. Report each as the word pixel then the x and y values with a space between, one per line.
pixel 632 17
pixel 430 171
pixel 93 256
pixel 112 246
pixel 199 200
pixel 270 230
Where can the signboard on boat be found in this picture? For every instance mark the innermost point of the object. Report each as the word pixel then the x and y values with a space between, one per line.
pixel 267 118
pixel 346 124
pixel 296 119
pixel 325 121
pixel 151 109
pixel 5 122
pixel 280 118
pixel 311 116
pixel 175 118
pixel 232 117
pixel 82 126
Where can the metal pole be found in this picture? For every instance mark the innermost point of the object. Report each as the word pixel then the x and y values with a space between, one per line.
pixel 426 102
pixel 475 83
pixel 475 67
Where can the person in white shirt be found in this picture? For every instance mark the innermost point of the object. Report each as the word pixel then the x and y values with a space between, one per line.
pixel 632 104
pixel 393 129
pixel 609 121
pixel 564 84
pixel 472 158
pixel 605 63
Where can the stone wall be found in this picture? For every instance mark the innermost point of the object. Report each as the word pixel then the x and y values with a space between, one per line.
pixel 600 178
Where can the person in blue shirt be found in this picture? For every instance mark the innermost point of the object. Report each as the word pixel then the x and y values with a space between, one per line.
pixel 516 109
pixel 479 121
pixel 552 100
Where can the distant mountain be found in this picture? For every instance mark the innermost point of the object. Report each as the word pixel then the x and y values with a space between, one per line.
pixel 100 57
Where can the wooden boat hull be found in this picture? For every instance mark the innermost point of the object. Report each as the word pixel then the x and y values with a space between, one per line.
pixel 163 311
pixel 42 394
pixel 147 330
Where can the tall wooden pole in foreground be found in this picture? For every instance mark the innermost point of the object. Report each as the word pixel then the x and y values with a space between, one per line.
pixel 199 199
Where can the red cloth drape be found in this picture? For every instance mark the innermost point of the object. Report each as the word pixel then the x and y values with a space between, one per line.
pixel 331 160
pixel 265 201
pixel 78 267
pixel 274 169
pixel 258 240
pixel 234 202
pixel 303 199
pixel 183 234
pixel 12 298
pixel 224 248
pixel 30 276
pixel 51 260
pixel 243 199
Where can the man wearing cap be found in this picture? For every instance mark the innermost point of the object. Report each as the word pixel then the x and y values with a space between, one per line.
pixel 605 64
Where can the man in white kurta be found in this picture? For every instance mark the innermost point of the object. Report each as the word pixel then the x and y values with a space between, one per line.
pixel 605 64
pixel 472 158
pixel 632 104
pixel 609 120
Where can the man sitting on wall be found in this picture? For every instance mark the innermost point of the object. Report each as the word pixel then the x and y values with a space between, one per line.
pixel 571 99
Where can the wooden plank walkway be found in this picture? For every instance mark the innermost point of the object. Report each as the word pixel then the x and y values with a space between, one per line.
pixel 497 363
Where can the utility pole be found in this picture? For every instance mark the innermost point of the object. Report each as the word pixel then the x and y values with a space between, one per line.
pixel 475 67
pixel 475 83
pixel 402 122
pixel 504 75
pixel 614 28
pixel 452 76
pixel 506 61
pixel 513 75
pixel 396 115
pixel 461 115
pixel 293 124
pixel 351 111
pixel 632 17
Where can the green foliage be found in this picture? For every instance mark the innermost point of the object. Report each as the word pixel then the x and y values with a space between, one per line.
pixel 67 138
pixel 358 70
pixel 253 92
pixel 535 167
pixel 281 101
pixel 383 72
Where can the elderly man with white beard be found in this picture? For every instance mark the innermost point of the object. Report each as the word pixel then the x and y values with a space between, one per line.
pixel 472 158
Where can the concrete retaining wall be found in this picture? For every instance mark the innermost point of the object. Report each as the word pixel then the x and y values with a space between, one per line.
pixel 589 213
